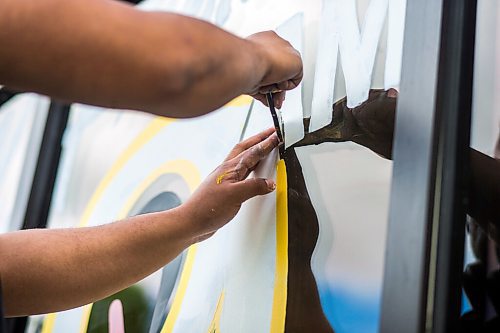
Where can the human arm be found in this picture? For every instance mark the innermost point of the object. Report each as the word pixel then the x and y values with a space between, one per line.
pixel 51 270
pixel 108 53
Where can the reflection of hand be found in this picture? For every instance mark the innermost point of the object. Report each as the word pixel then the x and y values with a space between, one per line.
pixel 371 124
pixel 220 196
pixel 284 67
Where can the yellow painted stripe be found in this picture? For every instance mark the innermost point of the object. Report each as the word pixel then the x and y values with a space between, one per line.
pixel 215 325
pixel 186 169
pixel 144 137
pixel 191 175
pixel 242 100
pixel 168 327
pixel 84 324
pixel 154 127
pixel 48 323
pixel 281 273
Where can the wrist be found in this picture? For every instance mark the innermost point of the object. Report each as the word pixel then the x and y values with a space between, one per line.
pixel 184 224
pixel 193 225
pixel 260 63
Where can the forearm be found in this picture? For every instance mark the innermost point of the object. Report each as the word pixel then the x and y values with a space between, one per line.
pixel 51 270
pixel 484 193
pixel 154 62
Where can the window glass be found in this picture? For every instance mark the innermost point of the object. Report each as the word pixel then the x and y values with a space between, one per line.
pixel 22 121
pixel 338 128
pixel 481 310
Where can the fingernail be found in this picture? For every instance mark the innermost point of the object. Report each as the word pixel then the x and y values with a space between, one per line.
pixel 271 185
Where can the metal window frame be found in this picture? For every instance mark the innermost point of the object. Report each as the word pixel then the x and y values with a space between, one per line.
pixel 37 210
pixel 455 89
pixel 424 252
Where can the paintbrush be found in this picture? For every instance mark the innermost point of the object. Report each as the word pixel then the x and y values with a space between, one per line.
pixel 270 101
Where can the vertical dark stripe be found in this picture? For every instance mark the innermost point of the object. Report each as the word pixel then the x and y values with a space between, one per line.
pixel 454 104
pixel 46 170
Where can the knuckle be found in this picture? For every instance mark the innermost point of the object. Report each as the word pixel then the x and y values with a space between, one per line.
pixel 246 163
pixel 254 185
pixel 262 186
pixel 224 166
pixel 260 151
pixel 240 170
pixel 255 151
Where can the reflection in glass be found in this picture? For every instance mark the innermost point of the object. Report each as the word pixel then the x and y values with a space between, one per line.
pixel 481 279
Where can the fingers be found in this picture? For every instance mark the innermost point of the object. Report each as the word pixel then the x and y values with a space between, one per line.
pixel 278 97
pixel 271 88
pixel 285 67
pixel 252 187
pixel 247 160
pixel 393 93
pixel 239 167
pixel 248 143
pixel 261 98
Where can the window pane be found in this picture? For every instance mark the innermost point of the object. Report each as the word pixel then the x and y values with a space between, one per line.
pixel 481 308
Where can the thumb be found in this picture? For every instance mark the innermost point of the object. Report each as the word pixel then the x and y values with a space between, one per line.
pixel 393 93
pixel 252 187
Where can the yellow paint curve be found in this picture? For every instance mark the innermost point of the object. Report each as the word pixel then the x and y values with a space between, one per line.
pixel 48 323
pixel 281 272
pixel 168 327
pixel 143 138
pixel 191 175
pixel 186 169
pixel 154 127
pixel 84 323
pixel 215 325
pixel 242 100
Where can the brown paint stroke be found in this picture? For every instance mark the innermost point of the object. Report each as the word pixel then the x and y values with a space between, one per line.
pixel 303 309
pixel 370 124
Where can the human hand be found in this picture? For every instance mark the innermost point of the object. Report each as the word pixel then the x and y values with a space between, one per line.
pixel 371 124
pixel 284 67
pixel 220 196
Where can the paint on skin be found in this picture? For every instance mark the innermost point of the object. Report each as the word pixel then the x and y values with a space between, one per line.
pixel 220 178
